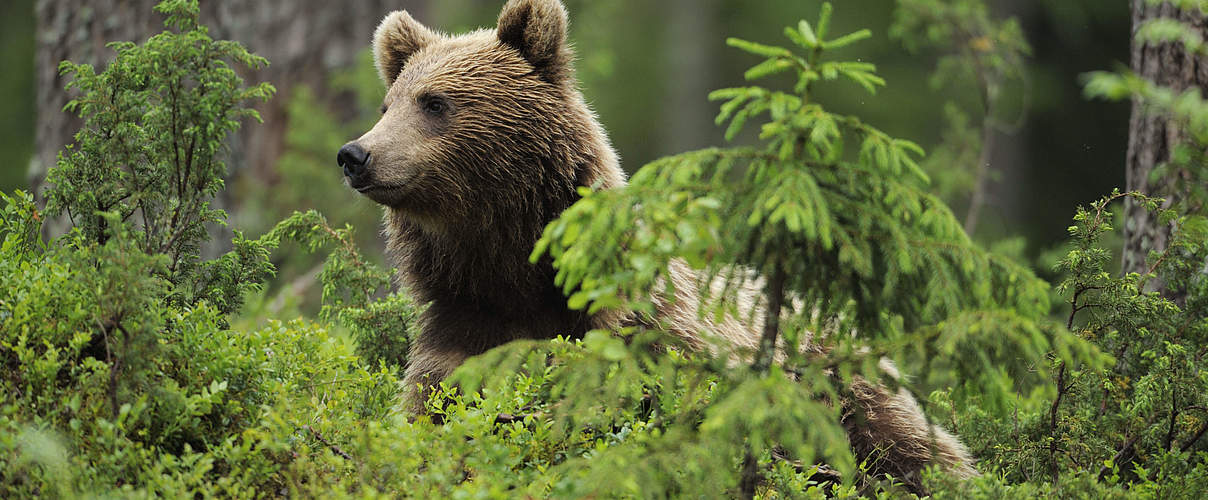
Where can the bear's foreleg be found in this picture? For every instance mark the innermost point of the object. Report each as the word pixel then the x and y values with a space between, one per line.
pixel 427 366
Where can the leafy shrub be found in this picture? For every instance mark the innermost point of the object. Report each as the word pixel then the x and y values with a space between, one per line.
pixel 120 370
pixel 154 125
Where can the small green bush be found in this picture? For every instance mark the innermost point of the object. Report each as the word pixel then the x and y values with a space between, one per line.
pixel 121 373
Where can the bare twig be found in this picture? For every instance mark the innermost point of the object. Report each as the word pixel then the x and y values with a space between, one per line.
pixel 1061 385
pixel 1053 410
pixel 331 446
pixel 508 418
pixel 1124 453
pixel 1174 415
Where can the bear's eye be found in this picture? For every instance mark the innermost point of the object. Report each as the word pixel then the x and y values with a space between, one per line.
pixel 384 108
pixel 435 106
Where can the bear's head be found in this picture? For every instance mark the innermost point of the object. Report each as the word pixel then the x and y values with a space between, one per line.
pixel 480 126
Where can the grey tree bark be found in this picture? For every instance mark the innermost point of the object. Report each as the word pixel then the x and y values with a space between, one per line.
pixel 1152 138
pixel 305 41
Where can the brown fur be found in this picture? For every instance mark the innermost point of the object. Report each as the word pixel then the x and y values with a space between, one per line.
pixel 468 190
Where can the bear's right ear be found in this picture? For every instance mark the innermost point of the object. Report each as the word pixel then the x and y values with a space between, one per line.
pixel 396 39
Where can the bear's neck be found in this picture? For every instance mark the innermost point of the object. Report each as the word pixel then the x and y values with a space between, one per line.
pixel 480 287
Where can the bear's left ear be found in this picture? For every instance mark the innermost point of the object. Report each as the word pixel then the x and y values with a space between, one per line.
pixel 537 28
pixel 396 39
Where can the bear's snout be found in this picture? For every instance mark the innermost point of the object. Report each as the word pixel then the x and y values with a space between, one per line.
pixel 354 159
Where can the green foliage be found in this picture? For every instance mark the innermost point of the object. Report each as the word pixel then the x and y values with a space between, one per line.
pixel 1155 341
pixel 1186 5
pixel 981 52
pixel 1132 428
pixel 676 426
pixel 154 124
pixel 1185 173
pixel 162 397
pixel 993 49
pixel 851 228
pixel 122 375
pixel 350 284
pixel 835 214
pixel 1138 423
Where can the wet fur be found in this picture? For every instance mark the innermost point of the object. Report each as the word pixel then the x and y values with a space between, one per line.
pixel 467 196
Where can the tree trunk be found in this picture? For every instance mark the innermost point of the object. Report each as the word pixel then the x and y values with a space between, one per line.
pixel 691 45
pixel 305 41
pixel 1153 137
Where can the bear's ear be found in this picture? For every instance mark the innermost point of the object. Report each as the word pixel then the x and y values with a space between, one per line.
pixel 396 39
pixel 537 28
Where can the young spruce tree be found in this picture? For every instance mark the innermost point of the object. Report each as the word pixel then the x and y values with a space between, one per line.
pixel 831 216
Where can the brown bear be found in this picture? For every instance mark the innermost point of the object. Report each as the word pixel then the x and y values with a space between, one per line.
pixel 484 139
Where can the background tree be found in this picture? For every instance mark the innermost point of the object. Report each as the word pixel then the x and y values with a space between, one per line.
pixel 979 53
pixel 17 87
pixel 1174 58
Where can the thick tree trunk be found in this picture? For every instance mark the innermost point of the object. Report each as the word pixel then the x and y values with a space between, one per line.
pixel 1152 138
pixel 67 31
pixel 305 41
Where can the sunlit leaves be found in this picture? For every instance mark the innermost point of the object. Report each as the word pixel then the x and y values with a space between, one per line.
pixel 1187 106
pixel 808 67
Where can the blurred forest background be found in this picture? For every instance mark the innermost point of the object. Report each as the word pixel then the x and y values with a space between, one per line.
pixel 646 67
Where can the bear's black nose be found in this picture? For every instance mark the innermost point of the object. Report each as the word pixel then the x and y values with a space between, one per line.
pixel 353 158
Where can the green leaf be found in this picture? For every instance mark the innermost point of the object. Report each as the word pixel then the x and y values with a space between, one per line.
pixel 848 39
pixel 758 49
pixel 811 40
pixel 768 68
